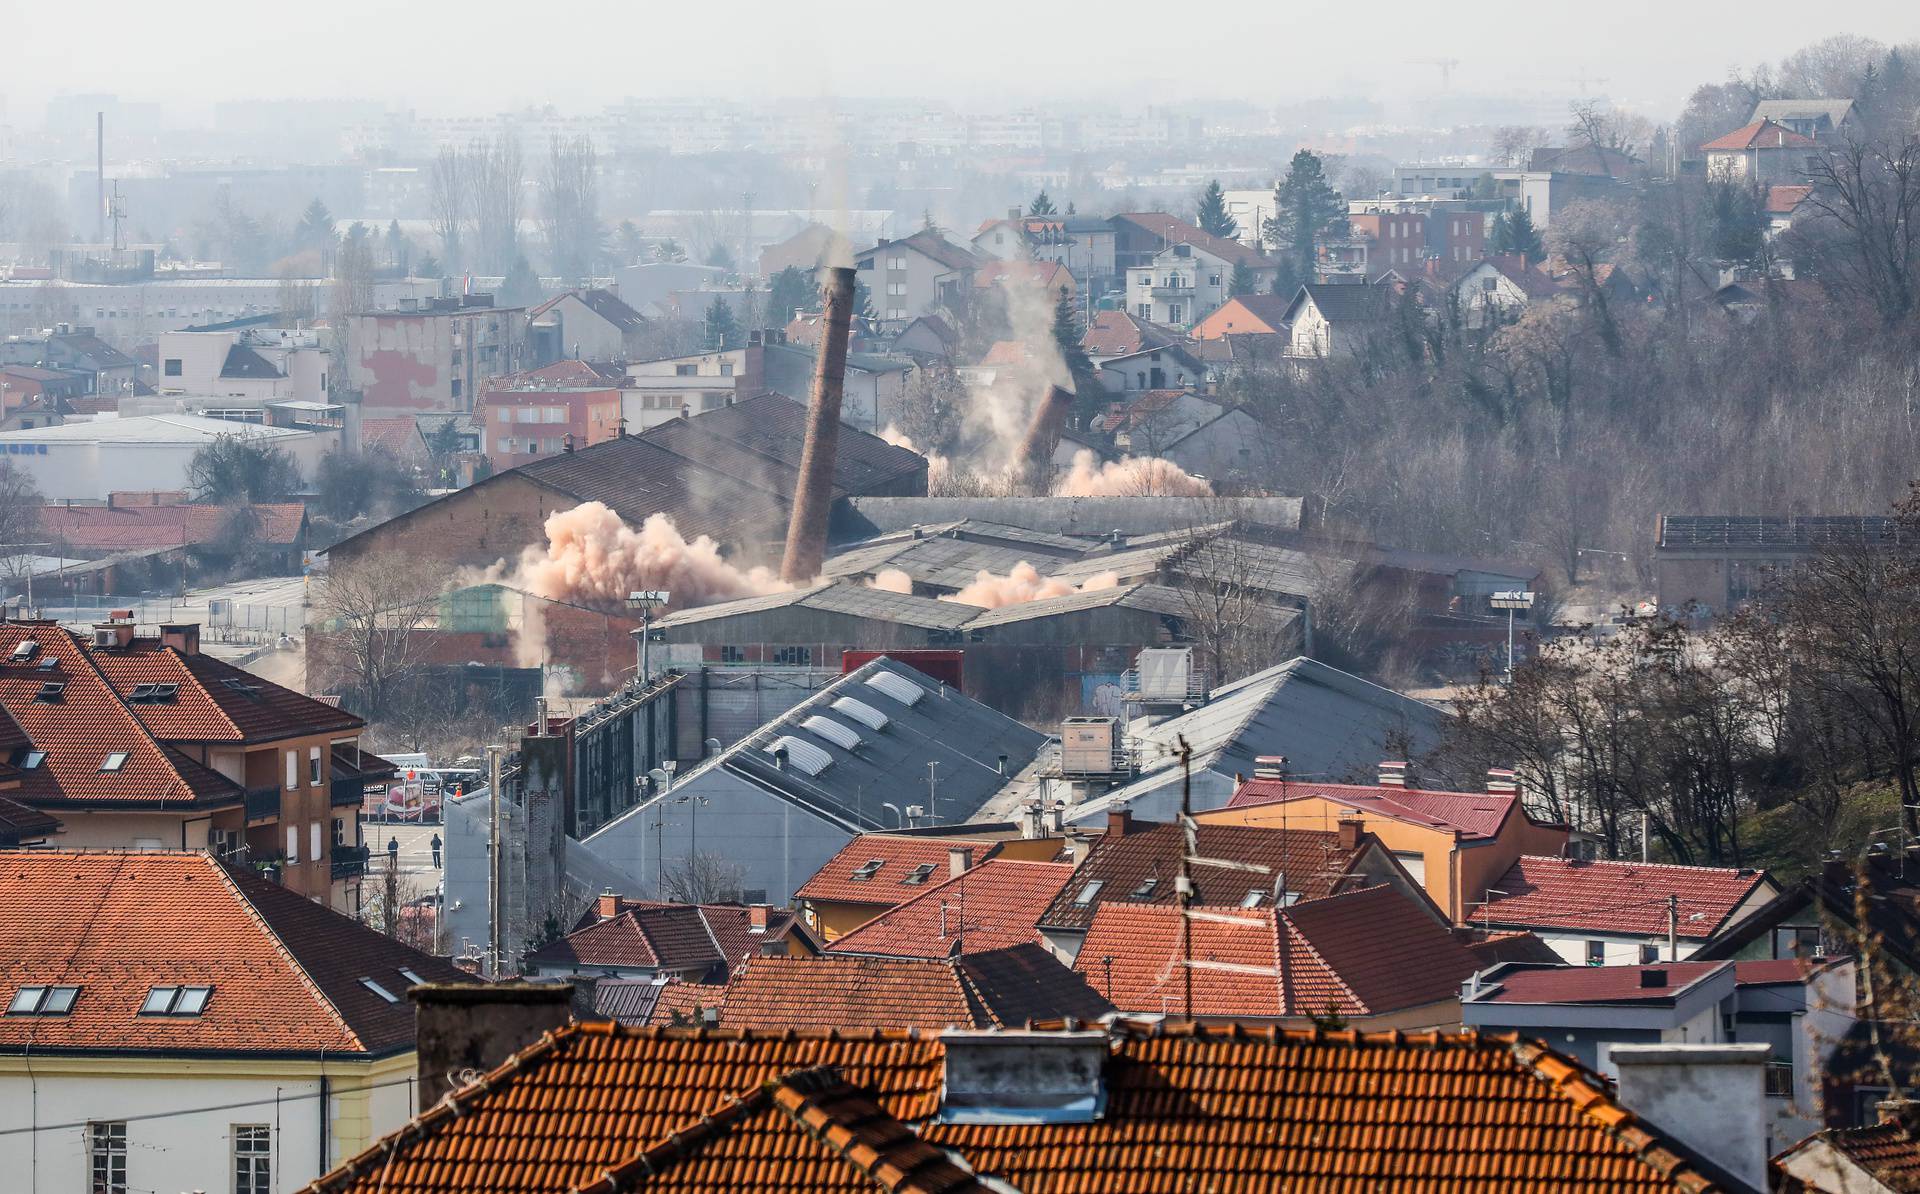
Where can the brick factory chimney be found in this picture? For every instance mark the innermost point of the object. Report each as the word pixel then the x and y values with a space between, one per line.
pixel 813 501
pixel 1043 436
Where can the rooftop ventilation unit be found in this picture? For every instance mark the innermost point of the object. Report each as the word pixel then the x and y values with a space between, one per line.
pixel 861 712
pixel 832 731
pixel 1091 746
pixel 801 755
pixel 896 686
pixel 1022 1077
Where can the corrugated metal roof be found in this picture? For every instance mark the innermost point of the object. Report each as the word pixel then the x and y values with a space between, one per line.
pixel 1090 517
pixel 864 602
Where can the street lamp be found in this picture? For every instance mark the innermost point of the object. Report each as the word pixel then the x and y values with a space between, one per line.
pixel 646 601
pixel 1511 600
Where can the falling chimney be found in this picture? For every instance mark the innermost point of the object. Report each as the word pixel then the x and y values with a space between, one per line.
pixel 807 529
pixel 959 861
pixel 1043 436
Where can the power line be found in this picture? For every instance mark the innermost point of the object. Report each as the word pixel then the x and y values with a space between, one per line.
pixel 207 1110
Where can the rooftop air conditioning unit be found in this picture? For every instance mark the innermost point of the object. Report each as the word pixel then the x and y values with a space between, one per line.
pixel 1090 746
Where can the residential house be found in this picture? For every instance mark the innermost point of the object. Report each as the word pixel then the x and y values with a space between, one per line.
pixel 401 440
pixel 24 383
pixel 993 905
pixel 257 364
pixel 788 1110
pixel 876 872
pixel 1455 844
pixel 1783 205
pixel 915 275
pixel 1324 721
pixel 199 1028
pixel 998 988
pixel 1049 278
pixel 1802 1010
pixel 90 460
pixel 1393 240
pixel 1603 912
pixel 1233 447
pixel 1328 320
pixel 1814 118
pixel 585 325
pixel 1167 367
pixel 853 759
pixel 1136 864
pixel 928 340
pixel 1759 154
pixel 1112 334
pixel 1151 420
pixel 1083 245
pixel 1878 1159
pixel 77 349
pixel 1551 177
pixel 1246 315
pixel 432 356
pixel 1500 288
pixel 694 943
pixel 527 423
pixel 1371 958
pixel 1189 278
pixel 673 387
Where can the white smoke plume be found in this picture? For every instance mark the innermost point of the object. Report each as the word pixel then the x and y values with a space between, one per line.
pixel 891 580
pixel 939 467
pixel 1024 583
pixel 1130 476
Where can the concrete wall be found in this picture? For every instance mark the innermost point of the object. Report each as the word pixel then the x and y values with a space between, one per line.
pixel 90 470
pixel 475 527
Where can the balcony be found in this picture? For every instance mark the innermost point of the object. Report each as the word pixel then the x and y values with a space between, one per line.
pixel 263 804
pixel 349 862
pixel 1171 292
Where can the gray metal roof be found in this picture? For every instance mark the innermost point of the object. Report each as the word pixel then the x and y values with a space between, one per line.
pixel 1091 517
pixel 729 609
pixel 863 602
pixel 1158 599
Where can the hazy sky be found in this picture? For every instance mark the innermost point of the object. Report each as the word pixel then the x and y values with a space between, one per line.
pixel 487 55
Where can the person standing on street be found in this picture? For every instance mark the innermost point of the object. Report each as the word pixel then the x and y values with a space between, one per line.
pixel 393 853
pixel 436 851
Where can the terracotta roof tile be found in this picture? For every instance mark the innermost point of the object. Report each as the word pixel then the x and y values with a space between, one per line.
pixel 1368 952
pixel 899 857
pixel 1596 984
pixel 1888 1151
pixel 994 905
pixel 215 701
pixel 1188 1108
pixel 285 972
pixel 1007 987
pixel 671 937
pixel 1618 897
pixel 1761 134
pixel 144 528
pixel 1474 814
pixel 1124 864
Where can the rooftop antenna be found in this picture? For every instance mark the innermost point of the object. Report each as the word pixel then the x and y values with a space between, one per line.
pixel 117 209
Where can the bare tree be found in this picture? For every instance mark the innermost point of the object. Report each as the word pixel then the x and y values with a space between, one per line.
pixel 1586 234
pixel 1869 193
pixel 571 206
pixel 20 505
pixel 703 878
pixel 1229 607
pixel 367 617
pixel 352 295
pixel 1513 144
pixel 497 173
pixel 296 297
pixel 450 200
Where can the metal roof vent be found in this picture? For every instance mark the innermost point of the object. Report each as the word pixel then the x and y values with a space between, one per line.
pixel 861 712
pixel 802 755
pixel 1023 1077
pixel 841 736
pixel 896 686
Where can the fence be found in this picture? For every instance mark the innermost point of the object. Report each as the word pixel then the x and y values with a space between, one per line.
pixel 220 621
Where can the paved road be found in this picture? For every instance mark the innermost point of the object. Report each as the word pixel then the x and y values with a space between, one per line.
pixel 416 848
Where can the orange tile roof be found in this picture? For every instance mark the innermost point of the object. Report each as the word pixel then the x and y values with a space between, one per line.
pixel 285 972
pixel 1368 952
pixel 83 725
pixel 398 436
pixel 647 936
pixel 1761 134
pixel 994 905
pixel 1474 814
pixel 1006 987
pixel 1618 897
pixel 1888 1152
pixel 143 528
pixel 1189 1107
pixel 899 857
pixel 214 701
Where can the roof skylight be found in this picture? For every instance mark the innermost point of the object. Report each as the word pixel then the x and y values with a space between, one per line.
pixel 841 736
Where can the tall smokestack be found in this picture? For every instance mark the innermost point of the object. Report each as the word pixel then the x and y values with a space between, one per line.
pixel 1035 461
pixel 100 177
pixel 807 529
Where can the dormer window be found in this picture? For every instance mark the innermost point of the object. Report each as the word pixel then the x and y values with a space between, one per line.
pixel 918 875
pixel 175 1001
pixel 866 870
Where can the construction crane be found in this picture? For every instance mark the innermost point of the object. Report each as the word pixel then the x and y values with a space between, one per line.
pixel 1445 65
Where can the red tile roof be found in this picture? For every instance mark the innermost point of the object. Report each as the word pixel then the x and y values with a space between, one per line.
pixel 215 701
pixel 1312 863
pixel 1175 230
pixel 729 929
pixel 992 906
pixel 1006 987
pixel 898 856
pixel 1050 276
pixel 1890 1152
pixel 20 823
pixel 1365 953
pixel 1628 898
pixel 1782 201
pixel 85 723
pixel 145 528
pixel 1596 984
pixel 1189 1107
pixel 1119 334
pixel 1474 814
pixel 401 437
pixel 285 972
pixel 643 937
pixel 1761 134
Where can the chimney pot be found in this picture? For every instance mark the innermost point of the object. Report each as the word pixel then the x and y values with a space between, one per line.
pixel 608 905
pixel 1501 781
pixel 959 861
pixel 1709 1098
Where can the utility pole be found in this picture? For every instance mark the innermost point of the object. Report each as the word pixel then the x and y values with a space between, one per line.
pixel 1673 928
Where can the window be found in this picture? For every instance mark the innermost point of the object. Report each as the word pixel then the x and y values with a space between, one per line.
pixel 526 414
pixel 412 978
pixel 794 656
pixel 26 758
pixel 867 870
pixel 897 289
pixel 686 370
pixel 1146 888
pixel 898 262
pixel 114 761
pixel 313 766
pixel 252 1159
pixel 1087 893
pixel 293 844
pixel 505 414
pixel 1649 954
pixel 379 990
pixel 107 1157
pixel 42 1001
pixel 1213 279
pixel 1596 953
pixel 293 769
pixel 172 367
pixel 175 1001
pixel 918 875
pixel 1254 898
pixel 726 368
pixel 456 387
pixel 313 841
pixel 733 653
